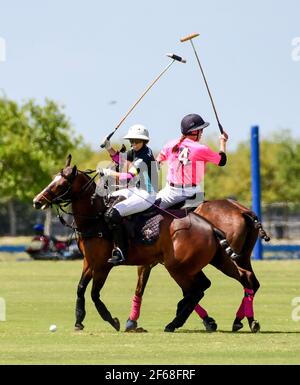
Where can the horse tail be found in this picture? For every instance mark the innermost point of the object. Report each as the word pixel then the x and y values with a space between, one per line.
pixel 224 244
pixel 252 216
pixel 258 225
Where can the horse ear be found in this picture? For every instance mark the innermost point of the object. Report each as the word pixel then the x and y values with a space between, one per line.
pixel 68 162
pixel 74 171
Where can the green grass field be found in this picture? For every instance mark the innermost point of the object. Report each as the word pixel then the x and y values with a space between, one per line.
pixel 40 293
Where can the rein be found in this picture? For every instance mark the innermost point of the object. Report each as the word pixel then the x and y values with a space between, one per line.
pixel 61 203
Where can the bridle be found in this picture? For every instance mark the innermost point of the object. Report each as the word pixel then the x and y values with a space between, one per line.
pixel 66 197
pixel 95 231
pixel 60 198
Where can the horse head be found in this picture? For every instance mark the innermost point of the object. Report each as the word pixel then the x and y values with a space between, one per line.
pixel 69 184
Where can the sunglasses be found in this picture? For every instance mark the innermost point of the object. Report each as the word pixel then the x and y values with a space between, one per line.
pixel 196 132
pixel 135 141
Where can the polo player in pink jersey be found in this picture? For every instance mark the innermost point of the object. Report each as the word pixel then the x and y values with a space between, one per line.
pixel 186 159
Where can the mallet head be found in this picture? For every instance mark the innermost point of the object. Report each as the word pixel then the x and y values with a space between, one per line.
pixel 176 57
pixel 189 37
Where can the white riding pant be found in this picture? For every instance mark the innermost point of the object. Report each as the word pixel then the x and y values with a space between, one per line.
pixel 136 200
pixel 170 196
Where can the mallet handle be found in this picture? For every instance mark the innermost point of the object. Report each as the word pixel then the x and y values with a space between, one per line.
pixel 144 93
pixel 139 99
pixel 208 90
pixel 189 37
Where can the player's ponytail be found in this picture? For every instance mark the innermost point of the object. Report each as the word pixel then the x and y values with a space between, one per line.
pixel 176 147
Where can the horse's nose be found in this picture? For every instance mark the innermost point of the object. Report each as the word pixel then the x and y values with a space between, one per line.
pixel 37 205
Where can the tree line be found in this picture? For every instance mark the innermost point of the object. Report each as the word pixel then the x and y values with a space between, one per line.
pixel 280 171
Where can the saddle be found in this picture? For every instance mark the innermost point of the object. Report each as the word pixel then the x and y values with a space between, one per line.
pixel 144 227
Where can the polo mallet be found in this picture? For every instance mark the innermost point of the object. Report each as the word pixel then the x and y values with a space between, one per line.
pixel 190 37
pixel 170 55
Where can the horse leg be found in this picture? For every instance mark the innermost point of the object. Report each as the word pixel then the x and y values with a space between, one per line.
pixel 246 306
pixel 209 323
pixel 245 277
pixel 80 302
pixel 193 292
pixel 244 259
pixel 244 262
pixel 143 276
pixel 245 267
pixel 98 282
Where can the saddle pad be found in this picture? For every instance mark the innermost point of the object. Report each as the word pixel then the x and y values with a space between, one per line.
pixel 147 231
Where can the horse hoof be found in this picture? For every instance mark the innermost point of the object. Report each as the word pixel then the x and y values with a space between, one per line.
pixel 130 325
pixel 78 327
pixel 169 329
pixel 137 330
pixel 210 324
pixel 141 330
pixel 116 324
pixel 237 326
pixel 255 326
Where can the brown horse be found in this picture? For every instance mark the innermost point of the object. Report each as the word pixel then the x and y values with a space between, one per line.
pixel 185 246
pixel 242 228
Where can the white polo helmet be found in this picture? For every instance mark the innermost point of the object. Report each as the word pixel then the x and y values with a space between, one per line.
pixel 137 131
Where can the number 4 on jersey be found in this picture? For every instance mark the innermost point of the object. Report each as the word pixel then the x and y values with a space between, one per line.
pixel 184 156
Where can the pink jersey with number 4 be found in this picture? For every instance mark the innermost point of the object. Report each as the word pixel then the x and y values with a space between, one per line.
pixel 187 165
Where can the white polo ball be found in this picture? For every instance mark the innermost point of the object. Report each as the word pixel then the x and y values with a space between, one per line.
pixel 53 328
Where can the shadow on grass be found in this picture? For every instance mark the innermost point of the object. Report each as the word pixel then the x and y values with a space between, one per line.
pixel 240 332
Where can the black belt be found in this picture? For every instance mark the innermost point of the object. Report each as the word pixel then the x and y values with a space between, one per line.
pixel 182 185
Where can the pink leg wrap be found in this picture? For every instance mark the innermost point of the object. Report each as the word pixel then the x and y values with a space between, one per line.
pixel 135 308
pixel 246 307
pixel 248 303
pixel 200 311
pixel 240 314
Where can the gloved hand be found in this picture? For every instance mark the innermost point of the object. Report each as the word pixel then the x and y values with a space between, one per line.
pixel 105 143
pixel 224 136
pixel 106 172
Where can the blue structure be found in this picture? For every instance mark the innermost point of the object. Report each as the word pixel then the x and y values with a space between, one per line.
pixel 255 184
pixel 282 251
pixel 12 249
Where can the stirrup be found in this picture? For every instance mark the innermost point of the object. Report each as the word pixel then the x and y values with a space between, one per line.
pixel 117 257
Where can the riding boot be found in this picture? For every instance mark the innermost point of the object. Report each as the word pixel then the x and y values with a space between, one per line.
pixel 115 224
pixel 119 251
